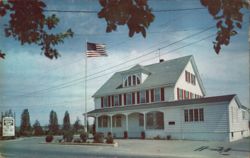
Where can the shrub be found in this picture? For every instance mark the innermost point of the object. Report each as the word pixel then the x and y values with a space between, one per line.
pixel 84 137
pixel 99 137
pixel 125 135
pixel 49 138
pixel 109 139
pixel 142 135
pixel 68 136
pixel 77 140
pixel 157 137
pixel 168 137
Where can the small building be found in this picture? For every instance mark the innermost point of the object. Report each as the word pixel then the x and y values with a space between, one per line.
pixel 167 99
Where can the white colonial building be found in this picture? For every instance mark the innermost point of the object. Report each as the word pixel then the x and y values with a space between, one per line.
pixel 167 99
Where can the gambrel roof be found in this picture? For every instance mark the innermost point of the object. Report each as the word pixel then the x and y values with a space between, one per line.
pixel 165 73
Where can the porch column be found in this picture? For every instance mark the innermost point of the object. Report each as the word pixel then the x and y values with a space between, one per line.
pixel 111 125
pixel 144 121
pixel 126 122
pixel 96 122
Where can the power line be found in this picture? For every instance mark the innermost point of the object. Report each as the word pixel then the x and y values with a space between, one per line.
pixel 148 59
pixel 64 103
pixel 71 83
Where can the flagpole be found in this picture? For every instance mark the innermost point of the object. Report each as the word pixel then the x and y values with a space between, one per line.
pixel 85 116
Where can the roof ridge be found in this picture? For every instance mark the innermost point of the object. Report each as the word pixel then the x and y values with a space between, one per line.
pixel 169 60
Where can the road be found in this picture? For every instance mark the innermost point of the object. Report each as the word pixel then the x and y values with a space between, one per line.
pixel 34 148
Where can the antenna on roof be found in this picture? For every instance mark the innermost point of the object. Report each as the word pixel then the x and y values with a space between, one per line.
pixel 159 54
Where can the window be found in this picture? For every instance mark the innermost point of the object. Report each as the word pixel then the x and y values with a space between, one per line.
pixel 191 115
pixel 191 95
pixel 244 115
pixel 117 121
pixel 105 101
pixel 186 115
pixel 232 134
pixel 133 98
pixel 155 120
pixel 141 120
pixel 152 91
pixel 134 80
pixel 188 75
pixel 201 114
pixel 103 121
pixel 194 115
pixel 193 81
pixel 187 95
pixel 128 98
pixel 138 97
pixel 102 102
pixel 143 97
pixel 126 83
pixel 138 81
pixel 124 99
pixel 147 96
pixel 171 123
pixel 116 100
pixel 109 101
pixel 234 111
pixel 180 93
pixel 196 118
pixel 131 80
pixel 162 94
pixel 112 100
pixel 157 94
pixel 150 120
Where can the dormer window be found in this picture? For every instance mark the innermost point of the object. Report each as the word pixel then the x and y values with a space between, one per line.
pixel 132 80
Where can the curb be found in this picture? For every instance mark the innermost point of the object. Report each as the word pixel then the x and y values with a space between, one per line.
pixel 87 144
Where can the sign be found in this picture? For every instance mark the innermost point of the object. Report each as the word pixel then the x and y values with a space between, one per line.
pixel 8 126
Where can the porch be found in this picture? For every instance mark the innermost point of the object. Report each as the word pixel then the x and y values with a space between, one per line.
pixel 132 124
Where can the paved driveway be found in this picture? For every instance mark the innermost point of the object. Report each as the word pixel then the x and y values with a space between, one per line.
pixel 33 147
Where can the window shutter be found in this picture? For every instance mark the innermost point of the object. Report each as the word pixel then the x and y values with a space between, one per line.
pixel 138 97
pixel 152 95
pixel 101 102
pixel 147 96
pixel 189 75
pixel 124 99
pixel 120 99
pixel 184 94
pixel 186 77
pixel 133 98
pixel 112 100
pixel 178 94
pixel 162 94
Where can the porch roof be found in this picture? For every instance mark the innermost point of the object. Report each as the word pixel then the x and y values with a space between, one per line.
pixel 214 99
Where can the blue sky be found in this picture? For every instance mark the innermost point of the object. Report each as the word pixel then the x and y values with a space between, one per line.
pixel 27 78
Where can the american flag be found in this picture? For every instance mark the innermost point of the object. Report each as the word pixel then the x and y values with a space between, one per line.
pixel 95 50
